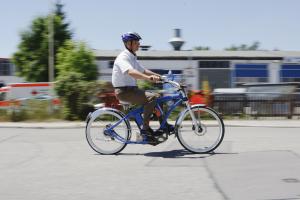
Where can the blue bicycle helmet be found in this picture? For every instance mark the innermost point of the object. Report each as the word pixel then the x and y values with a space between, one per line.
pixel 131 36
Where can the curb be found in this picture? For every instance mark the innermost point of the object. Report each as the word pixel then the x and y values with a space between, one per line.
pixel 43 125
pixel 264 123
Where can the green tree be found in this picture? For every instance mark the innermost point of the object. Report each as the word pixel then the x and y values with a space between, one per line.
pixel 75 83
pixel 244 47
pixel 77 57
pixel 201 48
pixel 31 59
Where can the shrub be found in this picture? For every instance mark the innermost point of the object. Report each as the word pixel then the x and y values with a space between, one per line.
pixel 75 94
pixel 32 109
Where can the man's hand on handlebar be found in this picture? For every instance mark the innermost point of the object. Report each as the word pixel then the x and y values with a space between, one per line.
pixel 155 78
pixel 163 79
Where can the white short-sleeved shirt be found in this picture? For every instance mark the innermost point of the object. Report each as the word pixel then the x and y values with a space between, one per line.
pixel 125 61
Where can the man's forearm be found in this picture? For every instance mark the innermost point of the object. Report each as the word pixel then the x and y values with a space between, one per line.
pixel 138 75
pixel 148 72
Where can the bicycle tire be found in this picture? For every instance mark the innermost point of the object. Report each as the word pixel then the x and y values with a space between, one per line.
pixel 98 140
pixel 200 142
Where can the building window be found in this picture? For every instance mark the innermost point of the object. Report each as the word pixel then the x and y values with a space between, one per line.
pixel 249 73
pixel 110 64
pixel 214 64
pixel 5 69
pixel 164 71
pixel 217 73
pixel 290 73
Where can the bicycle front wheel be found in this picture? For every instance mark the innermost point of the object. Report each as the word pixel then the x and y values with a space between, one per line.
pixel 204 138
pixel 99 140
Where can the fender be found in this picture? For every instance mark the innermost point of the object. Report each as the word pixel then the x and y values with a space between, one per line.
pixel 181 115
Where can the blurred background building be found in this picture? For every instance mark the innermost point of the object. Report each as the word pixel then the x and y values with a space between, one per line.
pixel 8 72
pixel 220 69
pixel 224 69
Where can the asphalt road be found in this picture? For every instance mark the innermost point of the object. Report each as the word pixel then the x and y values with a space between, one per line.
pixel 260 163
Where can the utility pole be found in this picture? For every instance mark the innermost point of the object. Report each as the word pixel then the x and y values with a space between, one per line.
pixel 51 45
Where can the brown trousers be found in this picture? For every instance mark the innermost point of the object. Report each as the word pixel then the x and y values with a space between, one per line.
pixel 137 96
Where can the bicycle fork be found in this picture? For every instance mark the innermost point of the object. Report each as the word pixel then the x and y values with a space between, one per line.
pixel 197 127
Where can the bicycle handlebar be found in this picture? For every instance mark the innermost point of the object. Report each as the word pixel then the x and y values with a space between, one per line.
pixel 164 79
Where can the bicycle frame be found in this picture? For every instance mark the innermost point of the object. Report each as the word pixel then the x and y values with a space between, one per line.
pixel 136 115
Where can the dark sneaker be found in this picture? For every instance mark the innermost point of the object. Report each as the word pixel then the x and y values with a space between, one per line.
pixel 149 135
pixel 147 131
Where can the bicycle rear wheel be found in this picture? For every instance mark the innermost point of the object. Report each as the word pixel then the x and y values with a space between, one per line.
pixel 102 142
pixel 211 131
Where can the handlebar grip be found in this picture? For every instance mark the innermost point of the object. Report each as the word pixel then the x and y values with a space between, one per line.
pixel 159 81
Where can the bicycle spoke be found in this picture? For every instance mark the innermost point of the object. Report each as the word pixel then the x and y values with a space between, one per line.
pixel 204 138
pixel 102 141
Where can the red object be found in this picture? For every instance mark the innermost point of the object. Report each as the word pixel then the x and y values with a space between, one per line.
pixel 56 101
pixel 4 103
pixel 196 97
pixel 34 92
pixel 4 89
pixel 110 100
pixel 157 112
pixel 30 84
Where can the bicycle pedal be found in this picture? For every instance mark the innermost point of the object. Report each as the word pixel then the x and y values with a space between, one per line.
pixel 161 138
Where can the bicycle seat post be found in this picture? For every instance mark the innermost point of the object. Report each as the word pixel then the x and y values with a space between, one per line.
pixel 125 105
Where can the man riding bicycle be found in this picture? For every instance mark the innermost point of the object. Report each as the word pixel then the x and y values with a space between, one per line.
pixel 126 71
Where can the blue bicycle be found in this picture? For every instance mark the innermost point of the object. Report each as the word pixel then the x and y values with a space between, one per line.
pixel 198 128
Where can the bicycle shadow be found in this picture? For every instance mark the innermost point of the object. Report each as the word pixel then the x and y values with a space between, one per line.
pixel 182 153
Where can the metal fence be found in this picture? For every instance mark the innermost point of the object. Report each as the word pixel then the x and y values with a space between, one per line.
pixel 254 105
